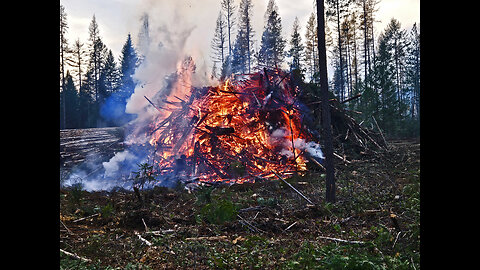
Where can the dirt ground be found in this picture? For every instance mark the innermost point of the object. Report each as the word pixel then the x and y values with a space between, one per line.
pixel 374 224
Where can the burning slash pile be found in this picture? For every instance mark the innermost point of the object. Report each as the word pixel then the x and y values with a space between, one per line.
pixel 237 132
pixel 242 130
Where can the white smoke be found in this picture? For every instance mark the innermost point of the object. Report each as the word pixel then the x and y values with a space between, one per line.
pixel 279 137
pixel 169 43
pixel 112 166
pixel 162 53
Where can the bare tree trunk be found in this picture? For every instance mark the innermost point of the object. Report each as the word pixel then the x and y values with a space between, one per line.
pixel 342 81
pixel 326 120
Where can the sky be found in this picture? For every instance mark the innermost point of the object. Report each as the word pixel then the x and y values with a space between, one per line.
pixel 118 18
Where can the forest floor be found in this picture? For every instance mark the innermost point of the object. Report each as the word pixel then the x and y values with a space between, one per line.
pixel 374 224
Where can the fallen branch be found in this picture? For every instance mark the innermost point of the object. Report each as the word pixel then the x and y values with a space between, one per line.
pixel 144 224
pixel 209 238
pixel 290 226
pixel 381 133
pixel 68 230
pixel 143 239
pixel 253 228
pixel 161 232
pixel 342 158
pixel 75 256
pixel 80 219
pixel 303 196
pixel 341 240
pixel 317 163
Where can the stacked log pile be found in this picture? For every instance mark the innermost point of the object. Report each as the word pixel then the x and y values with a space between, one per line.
pixel 78 145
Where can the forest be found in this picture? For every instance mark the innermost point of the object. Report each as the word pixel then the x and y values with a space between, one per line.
pixel 276 167
pixel 378 77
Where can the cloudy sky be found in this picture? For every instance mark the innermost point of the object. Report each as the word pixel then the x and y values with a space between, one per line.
pixel 118 18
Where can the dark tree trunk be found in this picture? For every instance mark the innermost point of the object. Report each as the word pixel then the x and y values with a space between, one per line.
pixel 326 120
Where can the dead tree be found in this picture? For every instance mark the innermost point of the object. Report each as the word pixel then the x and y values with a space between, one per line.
pixel 326 119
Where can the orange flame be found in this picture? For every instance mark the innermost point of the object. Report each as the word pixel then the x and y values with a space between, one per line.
pixel 225 132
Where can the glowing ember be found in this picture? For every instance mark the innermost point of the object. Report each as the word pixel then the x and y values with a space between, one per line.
pixel 236 132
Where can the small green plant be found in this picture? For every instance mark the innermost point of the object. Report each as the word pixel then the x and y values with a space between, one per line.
pixel 218 211
pixel 75 194
pixel 144 174
pixel 107 210
pixel 204 195
pixel 266 202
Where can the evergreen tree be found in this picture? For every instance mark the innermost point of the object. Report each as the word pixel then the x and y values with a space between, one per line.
pixel 367 18
pixel 128 63
pixel 229 10
pixel 383 79
pixel 120 85
pixel 311 55
pixel 336 10
pixel 109 78
pixel 63 51
pixel 218 44
pixel 272 48
pixel 242 53
pixel 71 103
pixel 77 61
pixel 413 71
pixel 88 109
pixel 296 47
pixel 397 46
pixel 98 52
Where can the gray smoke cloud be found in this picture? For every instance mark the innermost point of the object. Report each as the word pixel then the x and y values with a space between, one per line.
pixel 163 52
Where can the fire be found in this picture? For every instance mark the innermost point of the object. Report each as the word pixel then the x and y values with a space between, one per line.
pixel 238 131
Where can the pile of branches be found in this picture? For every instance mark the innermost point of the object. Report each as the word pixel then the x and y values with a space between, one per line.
pixel 230 145
pixel 348 135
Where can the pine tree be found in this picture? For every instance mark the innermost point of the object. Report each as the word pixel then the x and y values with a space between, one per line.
pixel 229 11
pixel 349 40
pixel 397 45
pixel 413 71
pixel 383 79
pixel 77 61
pixel 88 105
pixel 97 51
pixel 296 47
pixel 336 10
pixel 242 53
pixel 63 51
pixel 71 102
pixel 128 63
pixel 272 48
pixel 109 78
pixel 219 44
pixel 311 40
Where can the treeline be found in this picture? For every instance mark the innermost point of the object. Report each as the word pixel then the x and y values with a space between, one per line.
pixel 377 78
pixel 93 86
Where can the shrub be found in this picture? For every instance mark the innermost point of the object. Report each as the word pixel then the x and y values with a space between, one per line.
pixel 218 211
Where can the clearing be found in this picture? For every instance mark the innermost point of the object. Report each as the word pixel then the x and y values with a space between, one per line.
pixel 375 223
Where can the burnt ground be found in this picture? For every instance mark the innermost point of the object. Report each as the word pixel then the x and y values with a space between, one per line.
pixel 375 223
